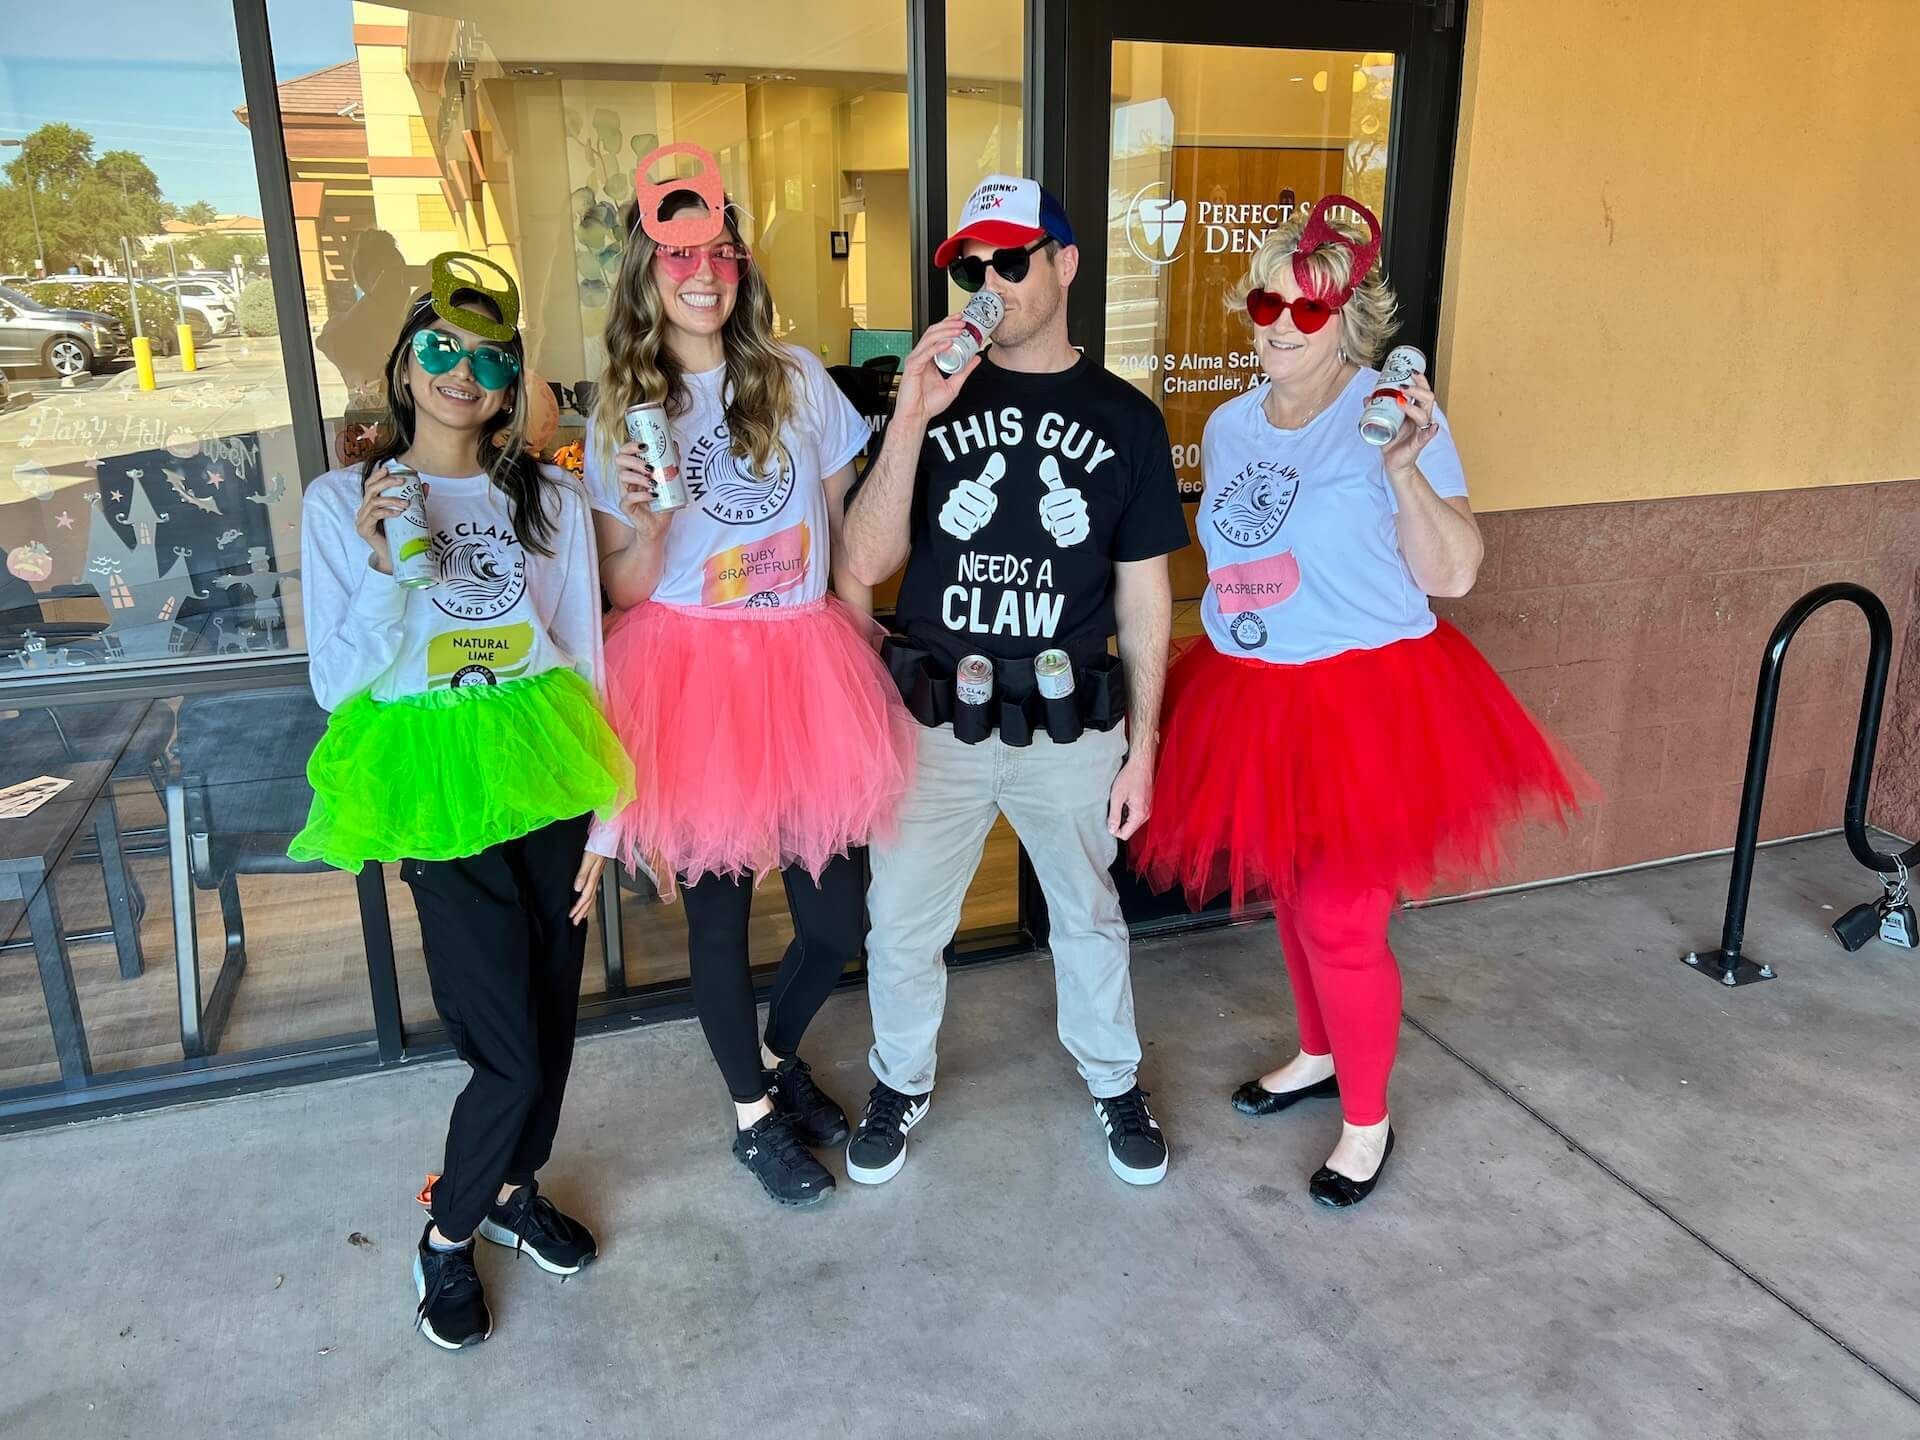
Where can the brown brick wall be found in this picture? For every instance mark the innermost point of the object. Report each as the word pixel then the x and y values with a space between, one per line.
pixel 1634 631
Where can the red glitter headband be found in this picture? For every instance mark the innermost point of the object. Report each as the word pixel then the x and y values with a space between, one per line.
pixel 1319 231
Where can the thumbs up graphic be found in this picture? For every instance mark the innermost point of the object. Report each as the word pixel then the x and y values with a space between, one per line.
pixel 971 504
pixel 1063 510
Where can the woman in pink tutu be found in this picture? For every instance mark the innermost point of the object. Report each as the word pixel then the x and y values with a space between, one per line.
pixel 764 730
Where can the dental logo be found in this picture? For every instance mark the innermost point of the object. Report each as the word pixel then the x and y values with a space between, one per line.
pixel 483 571
pixel 1155 223
pixel 727 487
pixel 1251 507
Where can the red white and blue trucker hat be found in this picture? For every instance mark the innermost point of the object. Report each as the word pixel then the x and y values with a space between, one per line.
pixel 1004 211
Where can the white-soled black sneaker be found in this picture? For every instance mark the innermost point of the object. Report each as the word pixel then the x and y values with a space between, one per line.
pixel 453 1310
pixel 534 1225
pixel 1136 1150
pixel 879 1147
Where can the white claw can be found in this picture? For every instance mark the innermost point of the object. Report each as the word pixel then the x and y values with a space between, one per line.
pixel 1053 673
pixel 647 424
pixel 973 680
pixel 1386 408
pixel 407 534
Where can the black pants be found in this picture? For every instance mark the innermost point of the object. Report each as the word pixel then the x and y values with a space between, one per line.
pixel 504 962
pixel 827 920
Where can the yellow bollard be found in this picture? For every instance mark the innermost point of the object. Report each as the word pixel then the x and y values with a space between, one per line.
pixel 143 362
pixel 188 361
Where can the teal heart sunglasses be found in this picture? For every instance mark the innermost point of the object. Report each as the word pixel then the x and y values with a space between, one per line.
pixel 493 367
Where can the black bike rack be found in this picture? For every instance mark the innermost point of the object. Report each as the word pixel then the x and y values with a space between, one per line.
pixel 1727 964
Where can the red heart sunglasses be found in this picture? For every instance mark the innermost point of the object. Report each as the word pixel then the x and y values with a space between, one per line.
pixel 1309 314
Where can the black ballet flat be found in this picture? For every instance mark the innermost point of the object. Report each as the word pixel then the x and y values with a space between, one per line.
pixel 1341 1192
pixel 1253 1098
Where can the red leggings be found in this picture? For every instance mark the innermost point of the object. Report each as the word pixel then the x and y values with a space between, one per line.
pixel 1346 988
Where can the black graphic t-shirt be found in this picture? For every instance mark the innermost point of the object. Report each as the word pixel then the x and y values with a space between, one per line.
pixel 1030 488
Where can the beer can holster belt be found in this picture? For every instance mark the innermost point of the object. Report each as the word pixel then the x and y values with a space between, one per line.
pixel 1018 711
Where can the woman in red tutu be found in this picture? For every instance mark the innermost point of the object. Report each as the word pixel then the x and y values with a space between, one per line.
pixel 1329 744
pixel 765 732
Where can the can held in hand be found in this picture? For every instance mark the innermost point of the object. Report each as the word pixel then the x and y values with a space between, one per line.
pixel 647 424
pixel 1386 408
pixel 973 680
pixel 407 534
pixel 1053 673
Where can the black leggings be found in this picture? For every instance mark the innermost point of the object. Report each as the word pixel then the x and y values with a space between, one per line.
pixel 504 962
pixel 827 921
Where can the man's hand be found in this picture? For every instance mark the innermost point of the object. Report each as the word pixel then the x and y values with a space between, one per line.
pixel 1131 800
pixel 925 390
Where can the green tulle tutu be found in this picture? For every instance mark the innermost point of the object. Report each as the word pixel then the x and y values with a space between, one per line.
pixel 445 774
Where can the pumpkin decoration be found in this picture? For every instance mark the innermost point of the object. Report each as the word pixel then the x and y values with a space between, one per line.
pixel 30 562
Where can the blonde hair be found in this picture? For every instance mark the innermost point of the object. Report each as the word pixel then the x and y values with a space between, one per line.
pixel 761 382
pixel 1367 320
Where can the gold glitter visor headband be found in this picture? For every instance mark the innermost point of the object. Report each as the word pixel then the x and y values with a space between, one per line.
pixel 458 270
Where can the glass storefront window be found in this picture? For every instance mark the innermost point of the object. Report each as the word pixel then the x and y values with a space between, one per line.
pixel 985 55
pixel 1212 147
pixel 486 127
pixel 148 909
pixel 482 126
pixel 138 521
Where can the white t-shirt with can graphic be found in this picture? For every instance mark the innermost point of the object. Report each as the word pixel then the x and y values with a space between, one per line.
pixel 748 537
pixel 500 612
pixel 1303 552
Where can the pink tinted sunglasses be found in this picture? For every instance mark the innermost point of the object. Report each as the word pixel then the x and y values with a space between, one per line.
pixel 682 262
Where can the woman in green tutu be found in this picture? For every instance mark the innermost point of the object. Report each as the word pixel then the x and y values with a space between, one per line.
pixel 466 742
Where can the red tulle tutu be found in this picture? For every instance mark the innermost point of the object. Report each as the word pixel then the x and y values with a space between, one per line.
pixel 760 738
pixel 1396 766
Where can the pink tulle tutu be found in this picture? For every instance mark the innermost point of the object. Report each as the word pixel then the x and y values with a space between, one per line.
pixel 760 738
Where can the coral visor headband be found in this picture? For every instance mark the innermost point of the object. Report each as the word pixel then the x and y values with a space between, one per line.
pixel 456 270
pixel 685 230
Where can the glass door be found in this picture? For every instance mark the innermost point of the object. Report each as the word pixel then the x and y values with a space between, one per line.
pixel 1186 139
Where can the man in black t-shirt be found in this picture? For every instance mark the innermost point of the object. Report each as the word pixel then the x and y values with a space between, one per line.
pixel 1032 498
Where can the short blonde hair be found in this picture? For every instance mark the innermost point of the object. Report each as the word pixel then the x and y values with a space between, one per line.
pixel 1367 321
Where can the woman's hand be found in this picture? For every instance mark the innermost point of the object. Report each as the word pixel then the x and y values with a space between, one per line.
pixel 639 482
pixel 1402 453
pixel 586 884
pixel 376 508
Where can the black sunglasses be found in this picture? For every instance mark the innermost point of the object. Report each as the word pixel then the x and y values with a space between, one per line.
pixel 969 272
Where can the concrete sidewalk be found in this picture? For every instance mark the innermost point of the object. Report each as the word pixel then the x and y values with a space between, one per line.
pixel 1624 1203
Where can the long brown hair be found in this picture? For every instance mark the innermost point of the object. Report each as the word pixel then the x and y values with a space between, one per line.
pixel 500 447
pixel 760 394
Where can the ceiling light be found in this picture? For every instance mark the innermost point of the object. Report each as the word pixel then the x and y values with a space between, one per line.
pixel 1320 81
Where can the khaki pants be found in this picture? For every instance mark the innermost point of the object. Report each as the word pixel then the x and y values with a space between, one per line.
pixel 1055 797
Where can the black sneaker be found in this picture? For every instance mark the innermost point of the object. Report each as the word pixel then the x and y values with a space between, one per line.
pixel 816 1118
pixel 1136 1149
pixel 773 1152
pixel 879 1147
pixel 531 1223
pixel 453 1310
